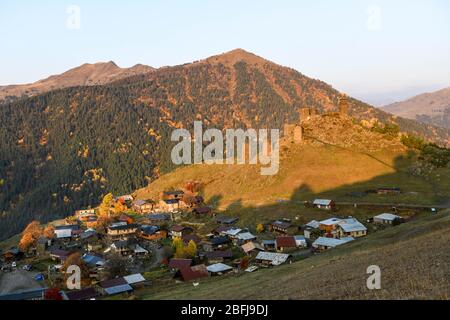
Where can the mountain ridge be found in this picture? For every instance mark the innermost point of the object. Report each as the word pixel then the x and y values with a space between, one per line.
pixel 87 74
pixel 430 107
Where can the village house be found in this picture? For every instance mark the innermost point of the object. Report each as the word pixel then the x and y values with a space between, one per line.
pixel 323 243
pixel 122 231
pixel 178 231
pixel 115 286
pixel 310 227
pixel 93 261
pixel 325 204
pixel 218 269
pixel 91 222
pixel 191 201
pixel 191 237
pixel 176 264
pixel 83 294
pixel 286 244
pixel 385 218
pixel 252 247
pixel 280 226
pixel 301 241
pixel 125 198
pixel 175 195
pixel 351 228
pixel 243 237
pixel 59 255
pixel 121 247
pixel 135 280
pixel 192 273
pixel 142 207
pixel 269 245
pixel 231 232
pixel 216 243
pixel 152 233
pixel 218 255
pixel 12 254
pixel 329 225
pixel 157 218
pixel 169 205
pixel 126 218
pixel 271 258
pixel 85 213
pixel 202 211
pixel 224 220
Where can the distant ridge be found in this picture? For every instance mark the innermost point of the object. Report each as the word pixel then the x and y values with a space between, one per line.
pixel 431 108
pixel 84 75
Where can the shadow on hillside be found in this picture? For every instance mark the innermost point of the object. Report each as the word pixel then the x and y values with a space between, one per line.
pixel 355 198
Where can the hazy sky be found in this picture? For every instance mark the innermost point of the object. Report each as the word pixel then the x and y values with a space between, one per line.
pixel 376 50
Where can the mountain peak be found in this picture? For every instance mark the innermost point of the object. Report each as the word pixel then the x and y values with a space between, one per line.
pixel 236 55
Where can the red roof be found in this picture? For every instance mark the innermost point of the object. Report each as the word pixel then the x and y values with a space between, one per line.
pixel 193 273
pixel 178 228
pixel 188 237
pixel 286 242
pixel 179 263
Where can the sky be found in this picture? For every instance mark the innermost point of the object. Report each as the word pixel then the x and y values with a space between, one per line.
pixel 379 51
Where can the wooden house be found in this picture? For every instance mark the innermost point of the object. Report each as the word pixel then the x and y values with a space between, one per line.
pixel 178 231
pixel 152 233
pixel 280 226
pixel 142 207
pixel 122 231
pixel 285 244
pixel 386 218
pixel 169 205
pixel 325 204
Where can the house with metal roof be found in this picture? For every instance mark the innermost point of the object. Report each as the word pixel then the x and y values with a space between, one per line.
pixel 281 226
pixel 323 243
pixel 244 237
pixel 219 269
pixel 385 218
pixel 325 204
pixel 134 279
pixel 271 258
pixel 351 227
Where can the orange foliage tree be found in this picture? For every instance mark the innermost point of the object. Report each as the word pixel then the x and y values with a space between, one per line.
pixel 30 236
pixel 49 232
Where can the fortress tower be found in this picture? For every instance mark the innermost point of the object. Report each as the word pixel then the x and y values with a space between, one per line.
pixel 344 106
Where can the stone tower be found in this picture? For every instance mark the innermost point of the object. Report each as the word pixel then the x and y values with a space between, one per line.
pixel 343 105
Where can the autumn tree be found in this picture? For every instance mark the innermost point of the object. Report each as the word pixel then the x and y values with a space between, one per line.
pixel 119 207
pixel 49 232
pixel 75 259
pixel 30 236
pixel 244 263
pixel 260 228
pixel 191 249
pixel 116 266
pixel 105 207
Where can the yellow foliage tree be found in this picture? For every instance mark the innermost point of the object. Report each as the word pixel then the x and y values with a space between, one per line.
pixel 191 249
pixel 260 228
pixel 105 207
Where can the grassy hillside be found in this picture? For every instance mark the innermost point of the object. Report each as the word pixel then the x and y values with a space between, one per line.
pixel 413 257
pixel 338 159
